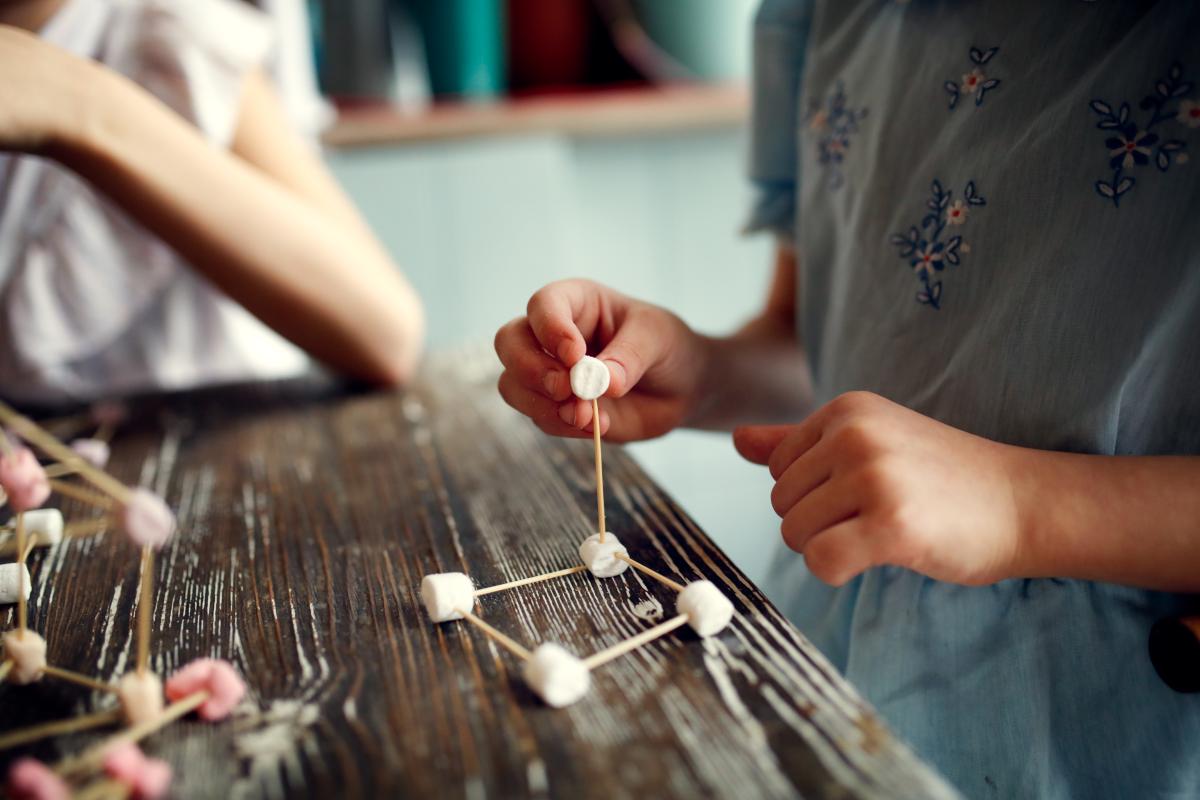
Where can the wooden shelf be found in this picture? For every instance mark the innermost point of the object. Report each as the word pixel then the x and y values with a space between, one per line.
pixel 605 113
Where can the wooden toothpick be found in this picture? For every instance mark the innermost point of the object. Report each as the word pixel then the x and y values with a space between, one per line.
pixel 634 642
pixel 81 494
pixel 86 527
pixel 22 605
pixel 509 644
pixel 144 604
pixel 72 725
pixel 658 576
pixel 80 680
pixel 600 523
pixel 500 587
pixel 5 666
pixel 27 429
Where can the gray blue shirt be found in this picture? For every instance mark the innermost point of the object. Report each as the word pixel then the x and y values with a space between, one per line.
pixel 999 227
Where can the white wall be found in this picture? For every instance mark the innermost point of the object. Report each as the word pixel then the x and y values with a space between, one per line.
pixel 479 225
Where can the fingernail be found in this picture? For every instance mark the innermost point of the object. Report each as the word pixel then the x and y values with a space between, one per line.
pixel 551 383
pixel 566 412
pixel 564 350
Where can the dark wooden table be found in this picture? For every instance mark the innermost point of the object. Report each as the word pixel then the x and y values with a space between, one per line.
pixel 309 515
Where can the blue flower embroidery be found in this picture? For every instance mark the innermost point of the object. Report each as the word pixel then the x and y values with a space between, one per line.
pixel 834 124
pixel 974 82
pixel 1134 145
pixel 924 248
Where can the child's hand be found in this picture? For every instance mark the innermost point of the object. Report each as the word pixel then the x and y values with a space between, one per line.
pixel 656 362
pixel 865 482
pixel 44 91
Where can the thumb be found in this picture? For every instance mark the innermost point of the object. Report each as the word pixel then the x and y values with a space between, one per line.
pixel 755 443
pixel 635 347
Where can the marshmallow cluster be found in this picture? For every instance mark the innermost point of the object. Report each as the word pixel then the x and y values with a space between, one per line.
pixel 224 685
pixel 708 610
pixel 589 378
pixel 556 676
pixel 446 594
pixel 27 651
pixel 11 584
pixel 601 557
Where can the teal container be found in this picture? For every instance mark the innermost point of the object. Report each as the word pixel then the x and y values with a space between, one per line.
pixel 464 45
pixel 711 38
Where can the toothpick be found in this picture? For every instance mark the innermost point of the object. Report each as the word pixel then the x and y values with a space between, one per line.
pixel 80 680
pixel 106 789
pixel 5 666
pixel 72 725
pixel 599 469
pixel 28 430
pixel 81 494
pixel 509 644
pixel 500 587
pixel 144 607
pixel 29 549
pixel 22 605
pixel 86 527
pixel 60 470
pixel 634 642
pixel 104 432
pixel 658 576
pixel 94 755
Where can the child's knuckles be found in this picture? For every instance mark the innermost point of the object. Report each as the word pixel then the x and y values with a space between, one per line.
pixel 832 563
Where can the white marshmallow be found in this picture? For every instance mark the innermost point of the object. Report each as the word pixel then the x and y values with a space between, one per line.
pixel 600 557
pixel 446 594
pixel 27 651
pixel 10 582
pixel 141 696
pixel 47 524
pixel 589 378
pixel 707 609
pixel 556 676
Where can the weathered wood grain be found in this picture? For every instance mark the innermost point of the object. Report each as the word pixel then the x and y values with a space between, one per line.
pixel 308 516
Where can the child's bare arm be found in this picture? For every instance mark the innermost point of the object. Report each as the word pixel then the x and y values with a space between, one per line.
pixel 265 223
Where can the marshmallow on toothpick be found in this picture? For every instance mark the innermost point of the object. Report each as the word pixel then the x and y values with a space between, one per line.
pixel 141 696
pixel 94 451
pixel 708 610
pixel 27 651
pixel 447 595
pixel 46 524
pixel 146 519
pixel 589 378
pixel 10 582
pixel 556 676
pixel 224 685
pixel 23 479
pixel 601 557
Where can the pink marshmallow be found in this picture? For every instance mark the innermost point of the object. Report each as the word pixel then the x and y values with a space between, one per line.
pixel 93 451
pixel 222 682
pixel 109 412
pixel 23 479
pixel 147 778
pixel 146 519
pixel 29 779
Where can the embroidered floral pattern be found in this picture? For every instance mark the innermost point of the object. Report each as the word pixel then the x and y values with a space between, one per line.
pixel 924 248
pixel 1134 144
pixel 975 82
pixel 834 125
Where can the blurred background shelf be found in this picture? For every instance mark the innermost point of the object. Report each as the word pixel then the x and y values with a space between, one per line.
pixel 608 112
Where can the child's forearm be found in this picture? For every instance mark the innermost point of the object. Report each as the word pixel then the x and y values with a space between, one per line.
pixel 760 373
pixel 319 281
pixel 1120 519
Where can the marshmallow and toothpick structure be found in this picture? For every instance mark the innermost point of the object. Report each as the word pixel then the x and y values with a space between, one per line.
pixel 554 674
pixel 209 687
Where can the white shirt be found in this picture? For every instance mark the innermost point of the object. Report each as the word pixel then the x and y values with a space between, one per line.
pixel 92 304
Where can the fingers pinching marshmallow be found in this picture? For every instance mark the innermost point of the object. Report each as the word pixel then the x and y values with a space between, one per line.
pixel 589 378
pixel 601 557
pixel 146 778
pixel 146 519
pixel 30 779
pixel 446 595
pixel 27 651
pixel 11 584
pixel 224 685
pixel 708 610
pixel 46 524
pixel 141 696
pixel 556 676
pixel 94 451
pixel 23 479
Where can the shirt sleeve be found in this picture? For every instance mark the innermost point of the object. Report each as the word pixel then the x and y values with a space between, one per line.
pixel 781 29
pixel 193 55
